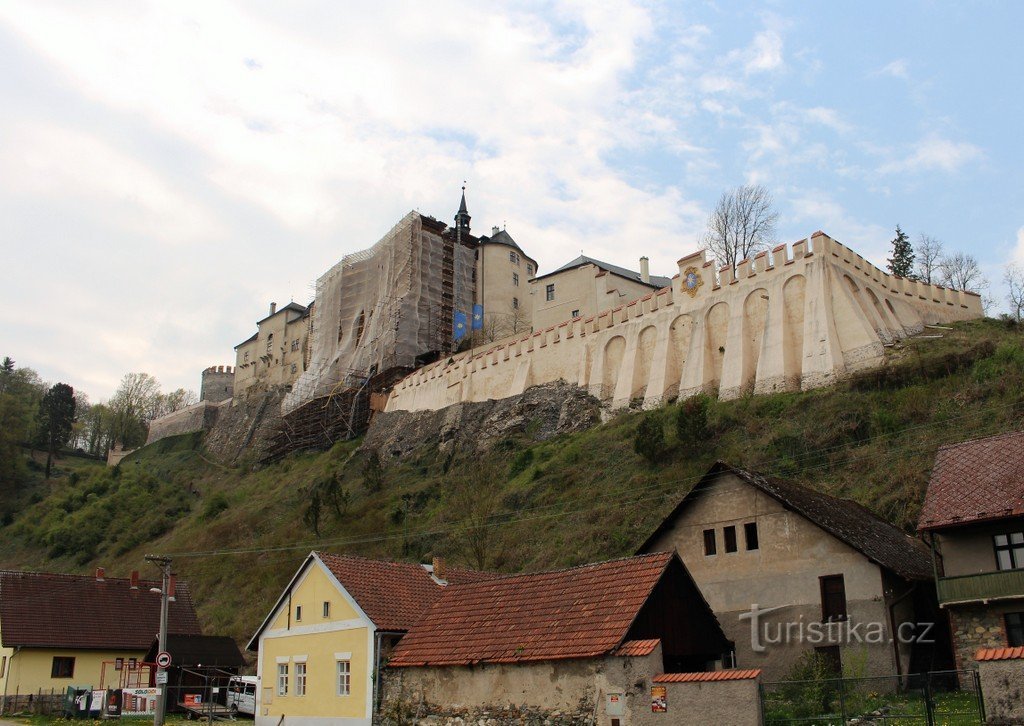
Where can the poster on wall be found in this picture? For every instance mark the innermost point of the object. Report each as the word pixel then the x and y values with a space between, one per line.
pixel 139 701
pixel 659 699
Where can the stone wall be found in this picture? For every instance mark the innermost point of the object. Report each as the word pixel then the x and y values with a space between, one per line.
pixel 218 384
pixel 539 413
pixel 799 318
pixel 198 417
pixel 1002 685
pixel 245 427
pixel 977 626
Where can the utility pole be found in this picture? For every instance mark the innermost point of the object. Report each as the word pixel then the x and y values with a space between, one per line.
pixel 164 563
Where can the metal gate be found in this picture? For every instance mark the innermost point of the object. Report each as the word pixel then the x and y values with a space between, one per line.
pixel 941 698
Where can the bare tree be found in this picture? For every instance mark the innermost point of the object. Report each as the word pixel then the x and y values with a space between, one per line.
pixel 742 223
pixel 928 256
pixel 961 271
pixel 1013 278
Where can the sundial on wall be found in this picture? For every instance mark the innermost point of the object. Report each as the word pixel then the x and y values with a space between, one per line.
pixel 692 281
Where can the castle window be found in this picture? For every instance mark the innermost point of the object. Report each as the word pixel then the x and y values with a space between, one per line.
pixel 515 303
pixel 295 367
pixel 575 313
pixel 246 357
pixel 549 292
pixel 270 343
pixel 515 279
pixel 529 268
pixel 513 258
pixel 295 345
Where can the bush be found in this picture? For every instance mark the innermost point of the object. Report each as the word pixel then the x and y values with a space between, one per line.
pixel 373 472
pixel 214 506
pixel 649 440
pixel 521 463
pixel 692 421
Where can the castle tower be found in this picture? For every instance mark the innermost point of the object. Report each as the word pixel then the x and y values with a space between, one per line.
pixel 462 216
pixel 218 384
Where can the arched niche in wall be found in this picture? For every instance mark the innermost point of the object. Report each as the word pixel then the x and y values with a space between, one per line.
pixel 716 330
pixel 613 352
pixel 794 293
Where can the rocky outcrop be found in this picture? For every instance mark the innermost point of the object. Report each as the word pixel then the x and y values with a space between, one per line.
pixel 538 413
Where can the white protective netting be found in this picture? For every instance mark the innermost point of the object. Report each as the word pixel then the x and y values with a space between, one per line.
pixel 382 307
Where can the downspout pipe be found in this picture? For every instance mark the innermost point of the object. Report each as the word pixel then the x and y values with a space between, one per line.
pixel 7 677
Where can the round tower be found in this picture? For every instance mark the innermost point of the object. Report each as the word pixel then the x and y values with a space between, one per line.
pixel 218 384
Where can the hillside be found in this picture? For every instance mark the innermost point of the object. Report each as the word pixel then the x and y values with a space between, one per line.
pixel 526 505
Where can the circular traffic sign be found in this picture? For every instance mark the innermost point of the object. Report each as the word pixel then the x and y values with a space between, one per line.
pixel 163 659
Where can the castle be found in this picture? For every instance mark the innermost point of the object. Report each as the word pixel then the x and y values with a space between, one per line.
pixel 432 316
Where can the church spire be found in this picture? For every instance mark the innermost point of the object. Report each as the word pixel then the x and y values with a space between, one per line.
pixel 462 216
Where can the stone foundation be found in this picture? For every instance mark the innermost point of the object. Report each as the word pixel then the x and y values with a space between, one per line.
pixel 975 627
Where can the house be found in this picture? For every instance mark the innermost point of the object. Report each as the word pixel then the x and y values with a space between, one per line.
pixel 324 641
pixel 567 641
pixel 585 287
pixel 973 513
pixel 59 630
pixel 788 569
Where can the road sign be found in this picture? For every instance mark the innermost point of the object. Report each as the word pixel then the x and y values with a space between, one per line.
pixel 163 659
pixel 161 678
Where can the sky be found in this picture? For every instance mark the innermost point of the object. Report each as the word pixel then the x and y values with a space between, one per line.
pixel 169 169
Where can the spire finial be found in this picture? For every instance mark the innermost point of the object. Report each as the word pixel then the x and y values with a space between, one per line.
pixel 462 216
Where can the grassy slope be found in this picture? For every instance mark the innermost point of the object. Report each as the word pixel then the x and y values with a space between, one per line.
pixel 577 498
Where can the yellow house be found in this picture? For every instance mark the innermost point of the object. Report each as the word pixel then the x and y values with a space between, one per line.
pixel 60 630
pixel 323 643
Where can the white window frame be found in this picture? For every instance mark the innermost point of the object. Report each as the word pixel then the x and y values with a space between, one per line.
pixel 343 672
pixel 300 679
pixel 549 291
pixel 282 679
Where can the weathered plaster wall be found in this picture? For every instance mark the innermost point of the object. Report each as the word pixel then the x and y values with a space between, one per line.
pixel 1002 685
pixel 587 289
pixel 798 319
pixel 496 288
pixel 198 417
pixel 970 550
pixel 736 703
pixel 782 572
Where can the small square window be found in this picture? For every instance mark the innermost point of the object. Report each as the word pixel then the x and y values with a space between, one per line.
pixel 750 535
pixel 710 543
pixel 62 667
pixel 298 613
pixel 327 609
pixel 729 535
pixel 575 313
pixel 549 291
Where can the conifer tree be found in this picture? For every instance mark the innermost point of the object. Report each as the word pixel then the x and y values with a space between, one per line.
pixel 902 261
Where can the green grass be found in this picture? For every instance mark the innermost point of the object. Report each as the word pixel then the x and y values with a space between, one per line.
pixel 572 499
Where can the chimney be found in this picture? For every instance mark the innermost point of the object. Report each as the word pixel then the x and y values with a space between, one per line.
pixel 171 586
pixel 439 568
pixel 273 308
pixel 135 579
pixel 100 574
pixel 645 269
pixel 494 230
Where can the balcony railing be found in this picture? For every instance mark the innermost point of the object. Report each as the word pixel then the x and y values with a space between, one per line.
pixel 978 588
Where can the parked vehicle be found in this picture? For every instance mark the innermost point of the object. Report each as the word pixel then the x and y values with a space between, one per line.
pixel 242 695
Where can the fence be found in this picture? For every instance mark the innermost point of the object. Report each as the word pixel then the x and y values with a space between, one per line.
pixel 40 703
pixel 949 698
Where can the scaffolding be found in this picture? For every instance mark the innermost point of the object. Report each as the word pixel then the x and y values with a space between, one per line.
pixel 378 315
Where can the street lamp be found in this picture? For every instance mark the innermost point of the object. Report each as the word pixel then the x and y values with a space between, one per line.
pixel 164 563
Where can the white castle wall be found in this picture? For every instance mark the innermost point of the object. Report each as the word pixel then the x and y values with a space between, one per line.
pixel 798 318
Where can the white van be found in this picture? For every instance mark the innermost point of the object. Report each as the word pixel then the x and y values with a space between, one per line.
pixel 242 695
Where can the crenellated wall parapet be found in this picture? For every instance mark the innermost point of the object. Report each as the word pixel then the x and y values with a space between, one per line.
pixel 796 317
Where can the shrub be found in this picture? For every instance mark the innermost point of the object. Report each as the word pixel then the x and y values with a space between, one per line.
pixel 692 421
pixel 521 463
pixel 649 440
pixel 373 472
pixel 214 506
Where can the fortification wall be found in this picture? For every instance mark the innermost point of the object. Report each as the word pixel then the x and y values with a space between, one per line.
pixel 799 317
pixel 218 384
pixel 198 417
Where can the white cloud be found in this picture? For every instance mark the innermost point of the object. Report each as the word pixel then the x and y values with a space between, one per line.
pixel 898 68
pixel 1018 250
pixel 765 54
pixel 934 153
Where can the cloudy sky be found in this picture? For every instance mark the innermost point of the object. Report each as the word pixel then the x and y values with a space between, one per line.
pixel 168 169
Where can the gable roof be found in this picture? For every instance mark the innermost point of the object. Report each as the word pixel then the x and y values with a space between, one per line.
pixel 581 612
pixel 975 481
pixel 200 650
pixel 393 595
pixel 657 282
pixel 290 307
pixel 847 521
pixel 504 238
pixel 42 610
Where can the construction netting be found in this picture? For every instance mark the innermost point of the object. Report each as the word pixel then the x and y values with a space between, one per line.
pixel 385 307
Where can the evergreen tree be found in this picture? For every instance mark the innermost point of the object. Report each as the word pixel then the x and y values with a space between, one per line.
pixel 902 261
pixel 56 419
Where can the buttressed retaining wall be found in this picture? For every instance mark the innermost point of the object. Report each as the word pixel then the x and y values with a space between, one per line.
pixel 801 317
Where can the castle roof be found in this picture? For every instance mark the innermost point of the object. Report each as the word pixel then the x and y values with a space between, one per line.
pixel 656 281
pixel 504 238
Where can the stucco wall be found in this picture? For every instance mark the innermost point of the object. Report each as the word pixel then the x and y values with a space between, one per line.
pixel 970 550
pixel 736 703
pixel 802 318
pixel 278 361
pixel 1002 685
pixel 29 669
pixel 587 289
pixel 495 288
pixel 783 572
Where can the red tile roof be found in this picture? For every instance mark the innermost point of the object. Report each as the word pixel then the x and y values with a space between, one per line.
pixel 394 595
pixel 730 675
pixel 582 612
pixel 975 481
pixel 1000 653
pixel 633 648
pixel 39 610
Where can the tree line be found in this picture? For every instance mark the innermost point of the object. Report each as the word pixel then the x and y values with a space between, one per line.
pixel 38 416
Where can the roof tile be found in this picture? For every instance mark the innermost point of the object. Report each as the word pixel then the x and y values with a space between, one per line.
pixel 728 675
pixel 1000 653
